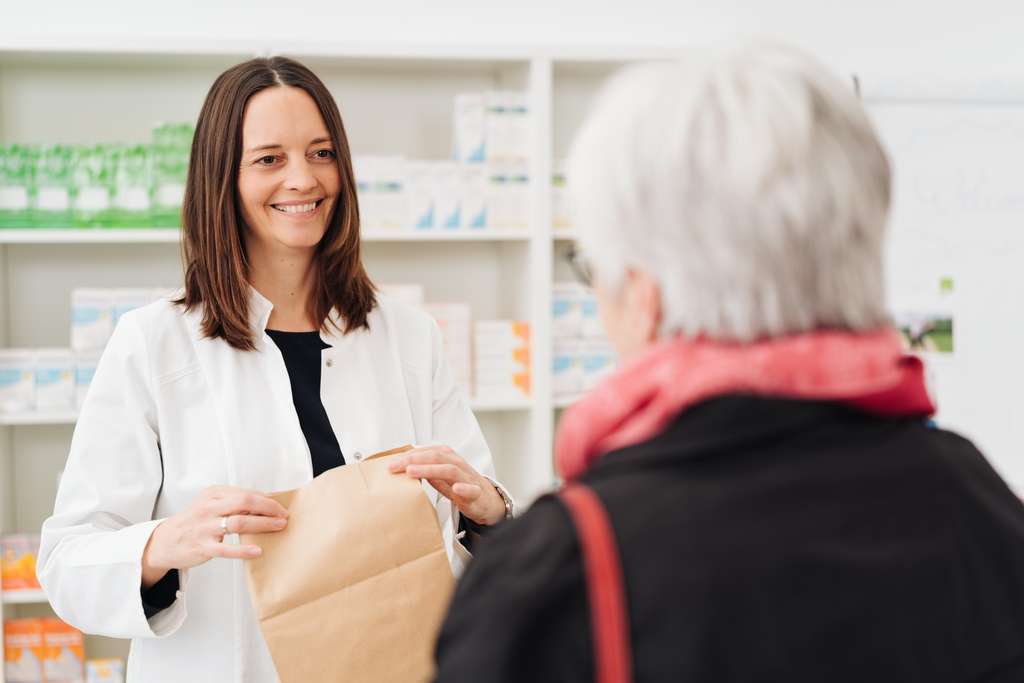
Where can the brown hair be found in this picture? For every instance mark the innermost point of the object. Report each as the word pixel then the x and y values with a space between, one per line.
pixel 213 248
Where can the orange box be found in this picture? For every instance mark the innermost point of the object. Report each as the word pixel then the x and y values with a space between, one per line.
pixel 23 650
pixel 63 652
pixel 18 565
pixel 104 671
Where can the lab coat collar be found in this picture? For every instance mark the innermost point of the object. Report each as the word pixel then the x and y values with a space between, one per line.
pixel 260 308
pixel 259 312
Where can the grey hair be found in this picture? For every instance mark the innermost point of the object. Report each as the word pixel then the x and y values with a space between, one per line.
pixel 748 181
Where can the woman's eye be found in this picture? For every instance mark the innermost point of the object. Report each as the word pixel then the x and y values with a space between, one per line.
pixel 266 161
pixel 324 154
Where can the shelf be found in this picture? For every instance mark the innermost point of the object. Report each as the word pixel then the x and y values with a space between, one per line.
pixel 68 417
pixel 571 58
pixel 62 417
pixel 500 405
pixel 25 597
pixel 89 235
pixel 441 236
pixel 172 236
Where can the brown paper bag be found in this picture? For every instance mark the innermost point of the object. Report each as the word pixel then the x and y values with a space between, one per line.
pixel 355 588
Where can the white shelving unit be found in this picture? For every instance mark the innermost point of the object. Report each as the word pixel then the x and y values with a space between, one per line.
pixel 394 101
pixel 64 417
pixel 30 597
pixel 69 417
pixel 173 236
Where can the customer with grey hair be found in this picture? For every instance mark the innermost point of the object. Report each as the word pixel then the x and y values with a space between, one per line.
pixel 756 494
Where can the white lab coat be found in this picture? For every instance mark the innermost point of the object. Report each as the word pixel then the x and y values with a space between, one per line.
pixel 170 413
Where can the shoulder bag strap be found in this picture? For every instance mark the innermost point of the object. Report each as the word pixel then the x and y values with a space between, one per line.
pixel 602 570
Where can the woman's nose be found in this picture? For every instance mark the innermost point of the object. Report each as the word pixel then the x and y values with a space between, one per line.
pixel 300 176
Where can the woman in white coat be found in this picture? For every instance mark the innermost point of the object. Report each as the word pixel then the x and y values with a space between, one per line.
pixel 276 362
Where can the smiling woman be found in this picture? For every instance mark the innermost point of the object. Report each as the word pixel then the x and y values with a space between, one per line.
pixel 297 177
pixel 288 184
pixel 271 133
pixel 278 362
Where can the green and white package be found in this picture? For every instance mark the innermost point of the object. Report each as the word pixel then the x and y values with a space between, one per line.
pixel 51 204
pixel 91 183
pixel 15 186
pixel 132 186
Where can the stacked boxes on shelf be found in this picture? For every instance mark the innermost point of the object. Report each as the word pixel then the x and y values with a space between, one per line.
pixel 96 312
pixel 490 359
pixel 493 129
pixel 104 671
pixel 24 651
pixel 57 379
pixel 455 323
pixel 484 186
pixel 396 193
pixel 94 316
pixel 582 354
pixel 18 562
pixel 65 652
pixel 61 186
pixel 43 650
pixel 38 379
pixel 502 359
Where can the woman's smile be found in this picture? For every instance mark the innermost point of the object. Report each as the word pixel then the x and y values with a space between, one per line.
pixel 299 210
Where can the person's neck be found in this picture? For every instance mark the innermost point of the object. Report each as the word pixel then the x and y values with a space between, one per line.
pixel 286 280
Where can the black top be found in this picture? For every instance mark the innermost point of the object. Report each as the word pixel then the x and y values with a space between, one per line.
pixel 301 353
pixel 765 540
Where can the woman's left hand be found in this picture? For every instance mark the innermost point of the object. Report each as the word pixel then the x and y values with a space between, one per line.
pixel 472 493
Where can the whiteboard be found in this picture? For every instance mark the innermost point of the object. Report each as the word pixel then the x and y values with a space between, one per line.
pixel 958 219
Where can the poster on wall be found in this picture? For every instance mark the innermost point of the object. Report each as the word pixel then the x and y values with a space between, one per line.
pixel 928 327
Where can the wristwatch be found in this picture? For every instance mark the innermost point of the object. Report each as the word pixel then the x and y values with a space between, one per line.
pixel 509 506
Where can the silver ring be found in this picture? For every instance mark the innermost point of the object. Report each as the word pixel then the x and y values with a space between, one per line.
pixel 224 525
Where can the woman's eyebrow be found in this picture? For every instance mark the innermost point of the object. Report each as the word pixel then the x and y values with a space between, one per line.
pixel 261 148
pixel 276 145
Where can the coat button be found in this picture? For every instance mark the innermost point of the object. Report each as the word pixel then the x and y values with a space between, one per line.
pixel 330 363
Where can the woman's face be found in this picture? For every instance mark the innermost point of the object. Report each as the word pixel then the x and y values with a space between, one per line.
pixel 289 181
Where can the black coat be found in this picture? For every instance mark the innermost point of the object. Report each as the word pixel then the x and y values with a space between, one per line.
pixel 765 540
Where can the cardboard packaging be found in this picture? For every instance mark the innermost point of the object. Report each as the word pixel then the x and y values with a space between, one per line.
pixel 502 359
pixel 469 128
pixel 473 196
pixel 104 671
pixel 23 650
pixel 455 322
pixel 355 588
pixel 64 652
pixel 55 379
pixel 19 562
pixel 421 196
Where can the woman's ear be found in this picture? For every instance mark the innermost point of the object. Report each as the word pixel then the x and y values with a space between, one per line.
pixel 631 313
pixel 643 298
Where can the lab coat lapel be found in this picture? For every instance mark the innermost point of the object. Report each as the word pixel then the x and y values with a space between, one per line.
pixel 363 391
pixel 252 396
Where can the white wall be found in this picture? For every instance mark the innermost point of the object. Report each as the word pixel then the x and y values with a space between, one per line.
pixel 881 38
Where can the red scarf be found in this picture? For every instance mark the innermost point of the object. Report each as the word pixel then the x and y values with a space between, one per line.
pixel 866 371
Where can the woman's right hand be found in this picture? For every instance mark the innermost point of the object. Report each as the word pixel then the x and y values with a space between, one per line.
pixel 195 535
